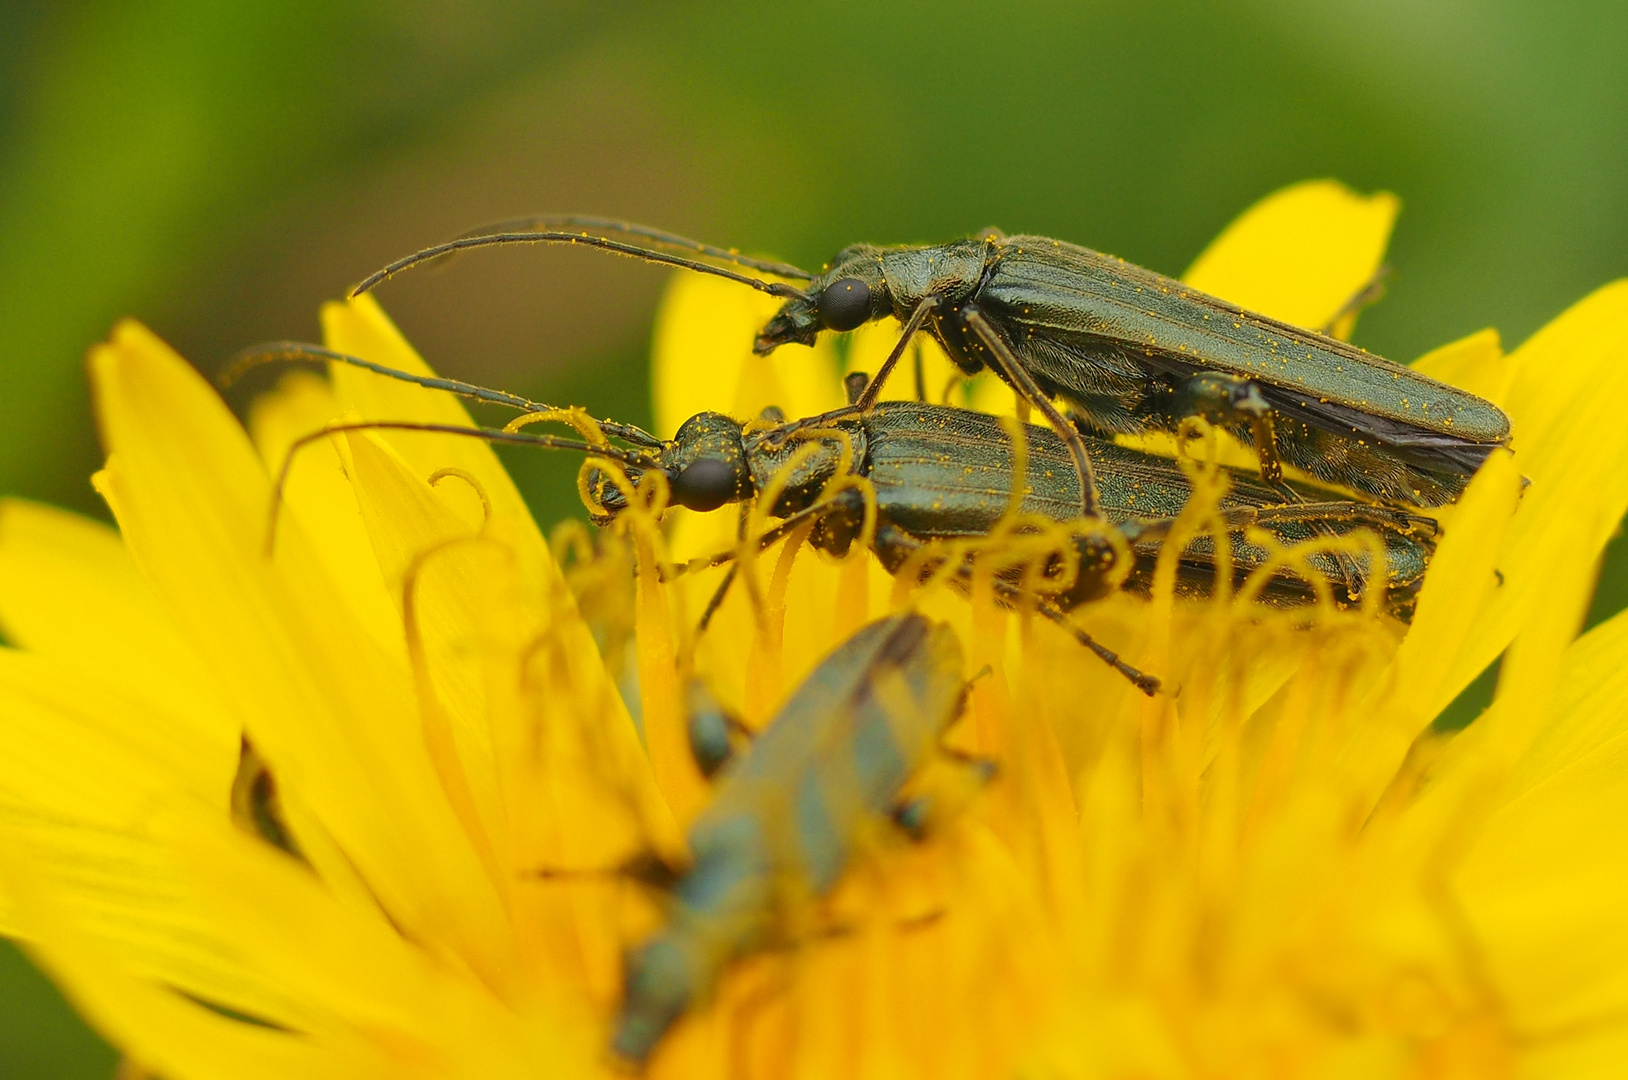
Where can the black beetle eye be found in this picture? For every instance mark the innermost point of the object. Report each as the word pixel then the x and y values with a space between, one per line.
pixel 704 485
pixel 845 303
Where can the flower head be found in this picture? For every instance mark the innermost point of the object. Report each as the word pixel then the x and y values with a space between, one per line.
pixel 1279 869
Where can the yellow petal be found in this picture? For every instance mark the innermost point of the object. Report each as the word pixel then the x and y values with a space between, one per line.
pixel 1595 1053
pixel 941 381
pixel 359 327
pixel 1476 363
pixel 84 772
pixel 87 714
pixel 1571 443
pixel 1543 887
pixel 1300 254
pixel 1531 668
pixel 703 341
pixel 69 590
pixel 421 539
pixel 318 494
pixel 155 1025
pixel 703 357
pixel 1592 712
pixel 352 968
pixel 331 711
pixel 1445 627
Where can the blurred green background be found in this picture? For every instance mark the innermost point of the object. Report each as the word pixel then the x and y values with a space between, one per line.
pixel 217 170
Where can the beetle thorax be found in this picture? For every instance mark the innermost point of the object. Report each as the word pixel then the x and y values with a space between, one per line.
pixel 950 272
pixel 803 460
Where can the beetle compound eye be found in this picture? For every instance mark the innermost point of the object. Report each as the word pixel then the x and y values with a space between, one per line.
pixel 704 485
pixel 845 303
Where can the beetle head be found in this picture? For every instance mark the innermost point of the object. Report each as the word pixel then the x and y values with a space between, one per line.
pixel 705 465
pixel 852 291
pixel 661 980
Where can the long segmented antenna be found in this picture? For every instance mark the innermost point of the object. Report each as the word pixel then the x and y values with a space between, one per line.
pixel 436 251
pixel 496 435
pixel 557 222
pixel 299 351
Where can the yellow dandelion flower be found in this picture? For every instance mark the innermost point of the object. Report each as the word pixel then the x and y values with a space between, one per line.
pixel 1278 871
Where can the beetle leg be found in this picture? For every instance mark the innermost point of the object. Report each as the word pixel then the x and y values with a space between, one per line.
pixel 911 326
pixel 984 767
pixel 1343 319
pixel 1152 529
pixel 717 600
pixel 911 815
pixel 706 562
pixel 853 386
pixel 714 731
pixel 914 815
pixel 1264 430
pixel 837 931
pixel 766 539
pixel 893 546
pixel 1009 367
pixel 1230 400
pixel 1348 567
pixel 1144 682
pixel 718 594
pixel 646 869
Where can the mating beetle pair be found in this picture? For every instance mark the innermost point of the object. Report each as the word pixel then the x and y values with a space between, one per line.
pixel 1127 349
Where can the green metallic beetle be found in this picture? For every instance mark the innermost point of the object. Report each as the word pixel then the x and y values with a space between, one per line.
pixel 939 473
pixel 788 814
pixel 1127 349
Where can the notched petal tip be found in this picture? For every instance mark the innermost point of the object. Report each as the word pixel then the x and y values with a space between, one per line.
pixel 363 310
pixel 129 342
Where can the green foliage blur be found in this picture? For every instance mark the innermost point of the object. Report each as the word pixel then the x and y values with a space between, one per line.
pixel 218 170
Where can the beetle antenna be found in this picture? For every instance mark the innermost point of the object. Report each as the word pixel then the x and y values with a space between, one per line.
pixel 619 247
pixel 494 435
pixel 557 222
pixel 299 352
